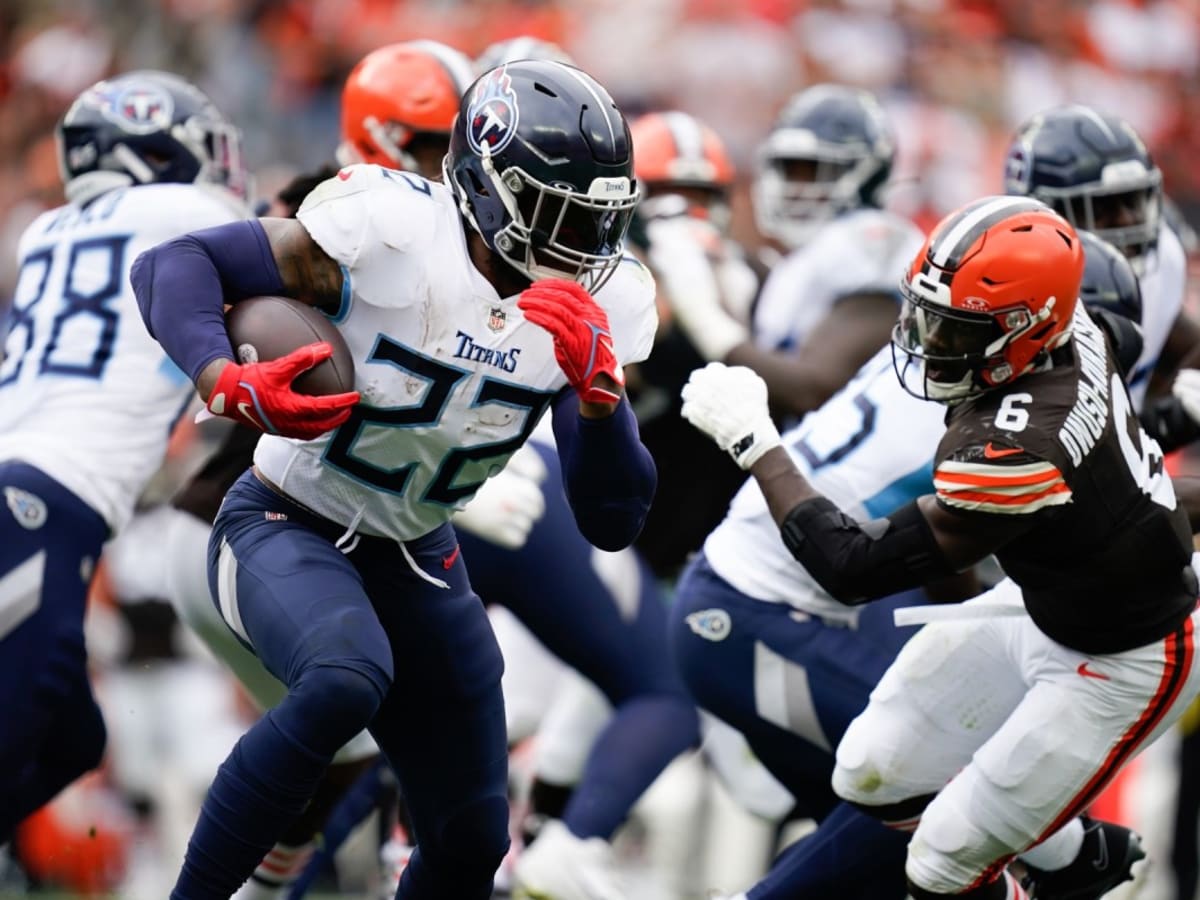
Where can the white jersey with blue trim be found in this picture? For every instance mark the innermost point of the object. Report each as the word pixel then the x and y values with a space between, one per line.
pixel 86 395
pixel 452 376
pixel 1163 285
pixel 860 252
pixel 869 449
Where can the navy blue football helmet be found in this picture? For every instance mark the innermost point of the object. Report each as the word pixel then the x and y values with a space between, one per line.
pixel 1094 170
pixel 1109 281
pixel 541 163
pixel 829 151
pixel 144 127
pixel 522 47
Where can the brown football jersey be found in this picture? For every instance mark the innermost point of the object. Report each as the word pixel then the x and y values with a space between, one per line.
pixel 1105 566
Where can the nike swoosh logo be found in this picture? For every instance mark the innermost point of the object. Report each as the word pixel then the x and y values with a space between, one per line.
pixel 1090 673
pixel 993 452
pixel 448 561
pixel 244 409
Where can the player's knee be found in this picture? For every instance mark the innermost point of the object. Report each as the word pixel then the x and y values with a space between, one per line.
pixel 343 700
pixel 865 776
pixel 481 826
pixel 474 838
pixel 948 854
pixel 870 786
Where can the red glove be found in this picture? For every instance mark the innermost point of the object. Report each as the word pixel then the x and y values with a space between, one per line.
pixel 582 342
pixel 261 394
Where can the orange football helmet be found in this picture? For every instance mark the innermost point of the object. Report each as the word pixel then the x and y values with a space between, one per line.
pixel 400 97
pixel 674 152
pixel 991 293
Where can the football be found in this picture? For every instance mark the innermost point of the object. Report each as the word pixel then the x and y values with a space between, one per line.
pixel 266 328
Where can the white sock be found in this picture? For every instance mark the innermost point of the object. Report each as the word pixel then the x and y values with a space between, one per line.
pixel 1057 851
pixel 280 867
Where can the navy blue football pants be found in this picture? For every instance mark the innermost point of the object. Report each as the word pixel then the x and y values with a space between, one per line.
pixel 791 683
pixel 360 639
pixel 613 632
pixel 51 731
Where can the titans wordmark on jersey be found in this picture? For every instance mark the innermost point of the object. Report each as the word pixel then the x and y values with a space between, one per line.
pixel 869 449
pixel 86 395
pixel 453 378
pixel 1105 566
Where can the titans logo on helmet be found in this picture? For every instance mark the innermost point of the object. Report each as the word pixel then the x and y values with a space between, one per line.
pixel 139 109
pixel 493 113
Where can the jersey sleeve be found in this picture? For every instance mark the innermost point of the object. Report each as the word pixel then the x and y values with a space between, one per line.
pixel 998 477
pixel 628 298
pixel 369 221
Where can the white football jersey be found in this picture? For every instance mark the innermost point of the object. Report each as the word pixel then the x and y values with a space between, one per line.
pixel 1163 287
pixel 86 395
pixel 864 251
pixel 869 449
pixel 453 378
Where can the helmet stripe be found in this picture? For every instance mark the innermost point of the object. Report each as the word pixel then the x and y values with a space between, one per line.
pixel 606 108
pixel 948 247
pixel 457 65
pixel 1097 119
pixel 685 131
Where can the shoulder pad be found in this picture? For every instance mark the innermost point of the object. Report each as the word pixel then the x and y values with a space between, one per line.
pixel 365 206
pixel 866 251
pixel 628 299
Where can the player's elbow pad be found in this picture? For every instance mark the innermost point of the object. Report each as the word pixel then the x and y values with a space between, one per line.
pixel 860 561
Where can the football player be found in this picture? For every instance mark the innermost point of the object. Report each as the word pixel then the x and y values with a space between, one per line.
pixel 612 631
pixel 762 645
pixel 398 104
pixel 686 176
pixel 87 398
pixel 468 308
pixel 991 732
pixel 828 305
pixel 1095 171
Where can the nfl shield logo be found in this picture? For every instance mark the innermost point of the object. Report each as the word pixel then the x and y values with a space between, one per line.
pixel 496 319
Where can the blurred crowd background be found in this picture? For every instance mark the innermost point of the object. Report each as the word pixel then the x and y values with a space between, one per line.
pixel 955 77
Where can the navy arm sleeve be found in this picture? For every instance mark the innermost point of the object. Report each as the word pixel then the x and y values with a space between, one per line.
pixel 182 285
pixel 608 473
pixel 860 561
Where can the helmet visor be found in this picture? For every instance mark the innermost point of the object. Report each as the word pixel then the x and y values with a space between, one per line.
pixel 568 233
pixel 950 347
pixel 1125 215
